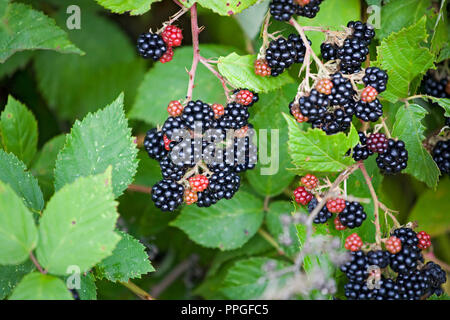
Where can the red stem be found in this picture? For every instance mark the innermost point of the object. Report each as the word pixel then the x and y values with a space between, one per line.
pixel 205 62
pixel 196 49
pixel 138 188
pixel 36 263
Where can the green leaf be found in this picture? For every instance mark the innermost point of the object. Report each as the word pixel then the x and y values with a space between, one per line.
pixel 440 36
pixel 14 173
pixel 409 128
pixel 443 102
pixel 77 226
pixel 398 14
pixel 16 62
pixel 402 55
pixel 251 19
pixel 18 233
pixel 88 289
pixel 102 139
pixel 224 8
pixel 239 71
pixel 18 130
pixel 227 225
pixel 315 151
pixel 10 276
pixel 246 280
pixel 273 220
pixel 37 286
pixel 128 261
pixel 333 15
pixel 44 166
pixel 166 82
pixel 22 28
pixel 110 66
pixel 269 115
pixel 432 208
pixel 135 7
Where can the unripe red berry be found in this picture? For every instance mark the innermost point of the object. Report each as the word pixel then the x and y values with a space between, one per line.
pixel 175 108
pixel 324 86
pixel 219 110
pixel 424 240
pixel 198 183
pixel 393 245
pixel 353 242
pixel 369 94
pixel 190 196
pixel 168 56
pixel 172 36
pixel 377 142
pixel 244 97
pixel 338 225
pixel 310 181
pixel 262 68
pixel 302 196
pixel 167 142
pixel 336 205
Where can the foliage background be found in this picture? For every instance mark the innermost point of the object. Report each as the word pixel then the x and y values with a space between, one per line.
pixel 61 88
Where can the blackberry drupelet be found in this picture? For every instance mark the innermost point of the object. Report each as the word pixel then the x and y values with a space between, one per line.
pixel 395 159
pixel 282 10
pixel 196 112
pixel 441 155
pixel 353 215
pixel 376 78
pixel 167 194
pixel 413 285
pixel 360 151
pixel 151 45
pixel 369 111
pixel 323 215
pixel 309 9
pixel 154 144
pixel 328 51
pixel 235 117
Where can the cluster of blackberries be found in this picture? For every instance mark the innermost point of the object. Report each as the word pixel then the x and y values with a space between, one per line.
pixel 392 154
pixel 201 148
pixel 432 86
pixel 282 53
pixel 441 155
pixel 353 51
pixel 160 46
pixel 414 280
pixel 331 105
pixel 283 10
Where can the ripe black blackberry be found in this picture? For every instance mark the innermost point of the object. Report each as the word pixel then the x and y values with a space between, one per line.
pixel 406 260
pixel 245 154
pixel 154 144
pixel 360 151
pixel 151 45
pixel 434 87
pixel 310 9
pixel 167 194
pixel 342 92
pixel 337 121
pixel 407 236
pixel 328 51
pixel 395 159
pixel 198 112
pixel 171 125
pixel 356 268
pixel 352 54
pixel 441 155
pixel 369 111
pixel 206 199
pixel 378 258
pixel 170 170
pixel 353 215
pixel 323 215
pixel 362 31
pixel 187 152
pixel 281 53
pixel 224 184
pixel 282 10
pixel 235 117
pixel 413 285
pixel 388 290
pixel 376 78
pixel 313 106
pixel 296 42
pixel 436 276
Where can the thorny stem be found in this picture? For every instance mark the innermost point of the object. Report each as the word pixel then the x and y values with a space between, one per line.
pixel 265 35
pixel 139 188
pixel 196 49
pixel 224 82
pixel 173 18
pixel 375 203
pixel 263 233
pixel 36 263
pixel 141 293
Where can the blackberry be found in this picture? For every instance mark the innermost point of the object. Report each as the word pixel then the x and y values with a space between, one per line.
pixel 433 87
pixel 436 277
pixel 235 117
pixel 196 112
pixel 328 51
pixel 353 215
pixel 369 111
pixel 334 122
pixel 206 198
pixel 313 106
pixel 296 42
pixel 441 155
pixel 224 184
pixel 154 144
pixel 413 285
pixel 170 170
pixel 360 151
pixel 309 9
pixel 376 78
pixel 395 159
pixel 187 152
pixel 254 95
pixel 388 290
pixel 342 92
pixel 167 194
pixel 362 31
pixel 378 258
pixel 407 236
pixel 377 143
pixel 358 291
pixel 406 260
pixel 323 215
pixel 352 54
pixel 171 125
pixel 282 53
pixel 283 10
pixel 245 154
pixel 356 268
pixel 151 45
